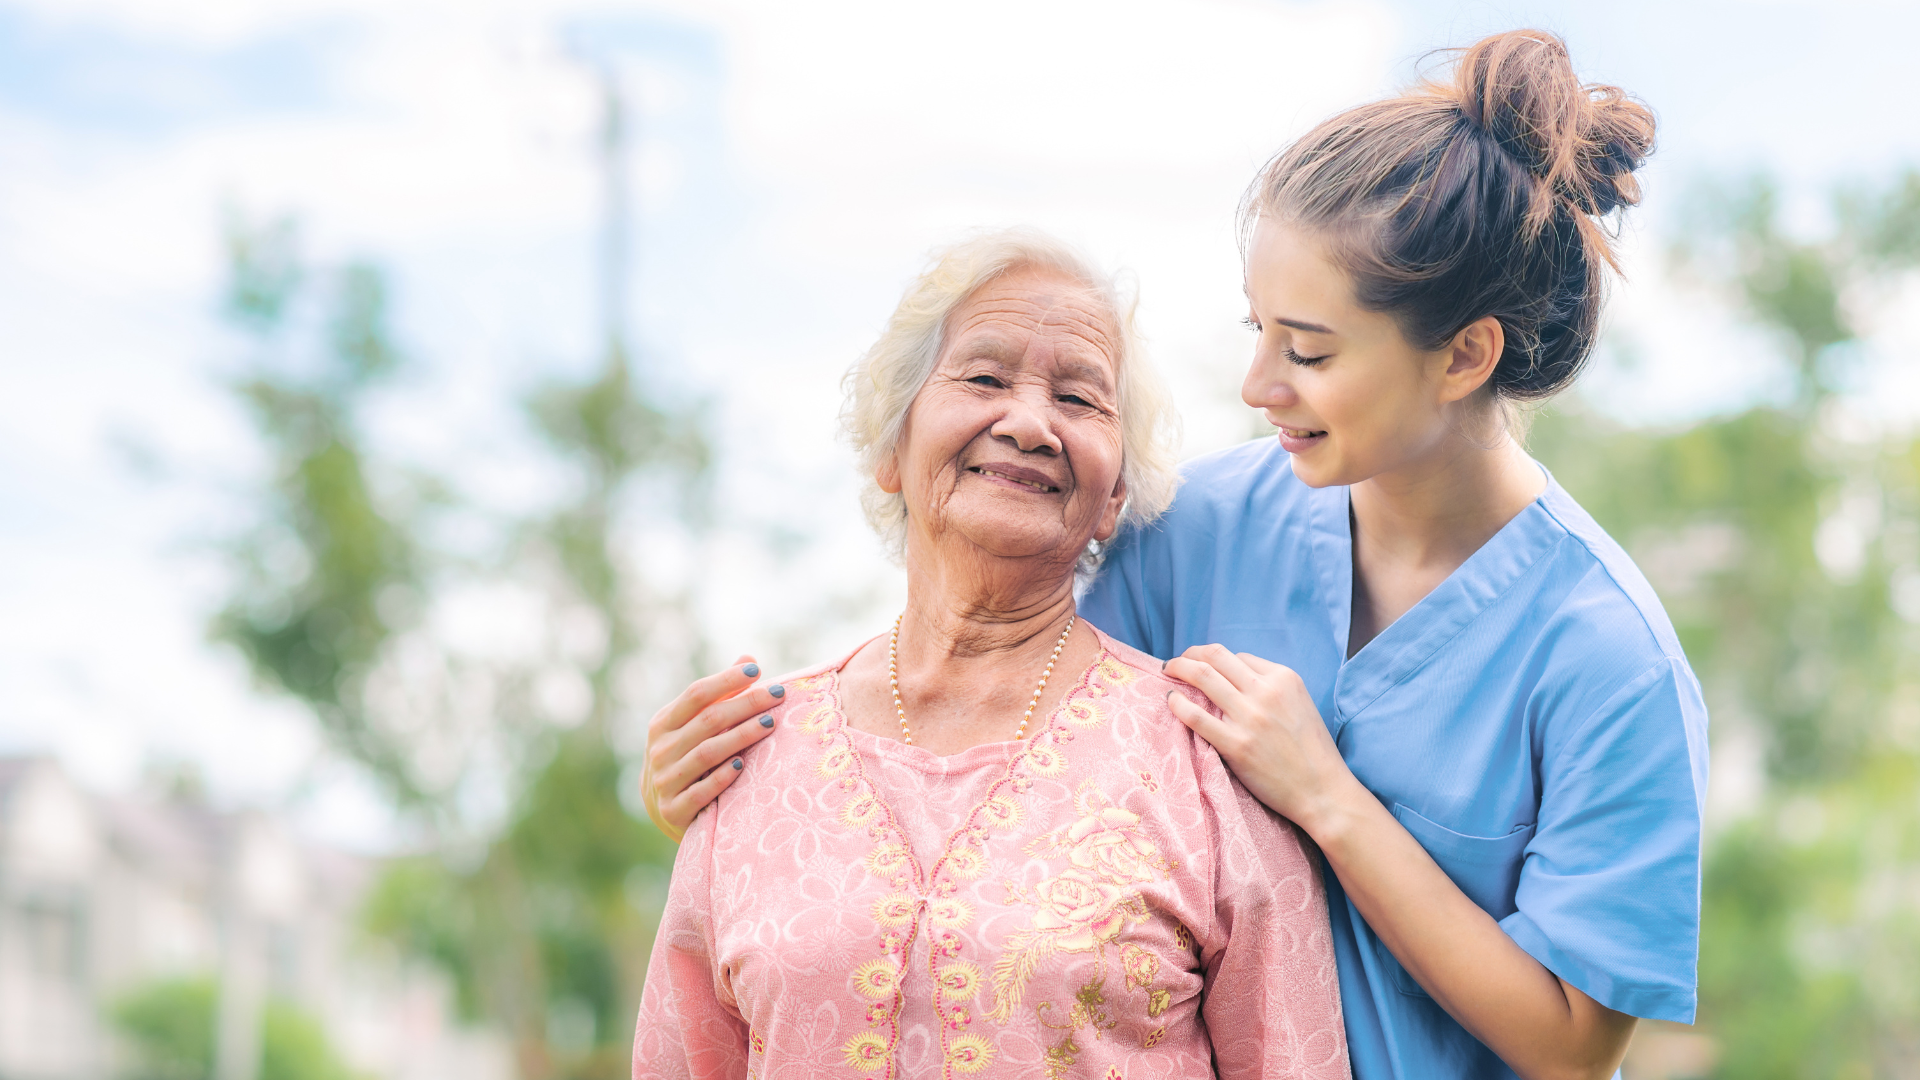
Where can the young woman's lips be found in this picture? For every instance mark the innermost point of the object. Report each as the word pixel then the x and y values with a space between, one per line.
pixel 1300 440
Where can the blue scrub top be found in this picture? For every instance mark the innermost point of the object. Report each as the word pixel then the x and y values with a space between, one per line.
pixel 1532 722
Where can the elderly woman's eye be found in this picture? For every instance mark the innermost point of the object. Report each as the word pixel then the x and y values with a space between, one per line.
pixel 1076 399
pixel 984 380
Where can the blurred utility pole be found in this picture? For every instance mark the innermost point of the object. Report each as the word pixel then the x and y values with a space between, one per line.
pixel 617 221
pixel 243 999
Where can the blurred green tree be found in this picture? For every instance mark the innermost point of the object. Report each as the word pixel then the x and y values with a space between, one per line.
pixel 167 1027
pixel 1781 540
pixel 326 566
pixel 550 934
pixel 546 931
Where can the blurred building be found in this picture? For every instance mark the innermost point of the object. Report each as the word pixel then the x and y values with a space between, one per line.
pixel 100 895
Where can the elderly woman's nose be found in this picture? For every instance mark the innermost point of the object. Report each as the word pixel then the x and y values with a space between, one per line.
pixel 1027 426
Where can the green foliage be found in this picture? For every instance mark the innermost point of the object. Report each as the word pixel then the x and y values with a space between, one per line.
pixel 1810 941
pixel 265 273
pixel 537 932
pixel 307 610
pixel 1775 538
pixel 424 908
pixel 547 919
pixel 168 1028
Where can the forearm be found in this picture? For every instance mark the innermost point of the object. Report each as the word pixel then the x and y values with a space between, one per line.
pixel 1541 1027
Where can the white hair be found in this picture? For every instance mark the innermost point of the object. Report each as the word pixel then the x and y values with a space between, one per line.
pixel 881 386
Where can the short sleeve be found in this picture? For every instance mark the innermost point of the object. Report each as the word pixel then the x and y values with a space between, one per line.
pixel 1272 1004
pixel 684 1030
pixel 1121 598
pixel 1609 892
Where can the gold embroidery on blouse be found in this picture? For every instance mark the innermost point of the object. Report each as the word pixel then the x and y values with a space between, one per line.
pixel 966 863
pixel 1046 761
pixel 868 1051
pixel 835 761
pixel 875 979
pixel 860 810
pixel 929 898
pixel 1141 967
pixel 1089 1010
pixel 895 909
pixel 1083 714
pixel 1085 906
pixel 950 913
pixel 1060 1058
pixel 958 982
pixel 969 1053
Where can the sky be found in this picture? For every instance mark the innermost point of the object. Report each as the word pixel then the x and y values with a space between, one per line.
pixel 794 164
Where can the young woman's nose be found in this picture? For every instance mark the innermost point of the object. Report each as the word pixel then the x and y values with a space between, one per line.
pixel 1266 388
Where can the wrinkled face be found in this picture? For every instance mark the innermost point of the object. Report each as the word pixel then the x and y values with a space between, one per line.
pixel 1352 397
pixel 1012 446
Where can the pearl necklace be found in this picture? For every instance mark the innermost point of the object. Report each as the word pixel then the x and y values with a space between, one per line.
pixel 893 676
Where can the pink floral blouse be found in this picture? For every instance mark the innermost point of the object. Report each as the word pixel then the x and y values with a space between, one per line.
pixel 1102 901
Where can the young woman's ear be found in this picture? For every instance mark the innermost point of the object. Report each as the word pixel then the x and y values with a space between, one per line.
pixel 1471 357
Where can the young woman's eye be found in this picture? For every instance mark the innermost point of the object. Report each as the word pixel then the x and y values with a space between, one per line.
pixel 1251 323
pixel 1303 361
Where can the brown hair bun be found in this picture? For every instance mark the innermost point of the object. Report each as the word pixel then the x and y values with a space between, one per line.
pixel 1475 197
pixel 1582 140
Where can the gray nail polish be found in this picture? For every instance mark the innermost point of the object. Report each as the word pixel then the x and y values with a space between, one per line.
pixel 751 671
pixel 738 764
pixel 766 721
pixel 777 690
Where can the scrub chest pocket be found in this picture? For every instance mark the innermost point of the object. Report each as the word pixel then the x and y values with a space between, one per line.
pixel 1486 868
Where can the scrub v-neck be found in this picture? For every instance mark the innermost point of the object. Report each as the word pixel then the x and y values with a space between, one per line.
pixel 1410 641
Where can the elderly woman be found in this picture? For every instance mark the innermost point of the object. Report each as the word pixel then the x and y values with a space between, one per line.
pixel 982 844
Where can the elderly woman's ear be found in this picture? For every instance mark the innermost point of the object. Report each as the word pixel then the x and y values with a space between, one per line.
pixel 1110 517
pixel 886 473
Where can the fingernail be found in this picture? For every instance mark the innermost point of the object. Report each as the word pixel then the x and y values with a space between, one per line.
pixel 766 721
pixel 738 764
pixel 751 671
pixel 1164 663
pixel 777 690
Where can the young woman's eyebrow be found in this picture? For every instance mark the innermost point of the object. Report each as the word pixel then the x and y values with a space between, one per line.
pixel 1297 324
pixel 1302 324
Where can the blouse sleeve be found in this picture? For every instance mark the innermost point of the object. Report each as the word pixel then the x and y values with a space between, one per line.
pixel 686 1029
pixel 1272 995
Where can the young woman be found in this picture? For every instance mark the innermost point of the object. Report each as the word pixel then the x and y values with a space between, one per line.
pixel 1484 719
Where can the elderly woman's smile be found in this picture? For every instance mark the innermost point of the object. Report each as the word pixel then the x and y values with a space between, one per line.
pixel 1013 446
pixel 1017 477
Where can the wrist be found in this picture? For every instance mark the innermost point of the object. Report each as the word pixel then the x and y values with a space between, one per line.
pixel 1332 818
